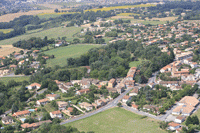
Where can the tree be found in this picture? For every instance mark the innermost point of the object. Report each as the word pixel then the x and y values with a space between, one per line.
pixel 188 121
pixel 119 104
pixel 56 10
pixel 46 116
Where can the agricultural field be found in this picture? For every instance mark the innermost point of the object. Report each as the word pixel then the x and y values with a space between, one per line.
pixel 17 79
pixel 62 53
pixel 127 14
pixel 51 6
pixel 52 15
pixel 50 33
pixel 5 31
pixel 117 120
pixel 8 49
pixel 120 7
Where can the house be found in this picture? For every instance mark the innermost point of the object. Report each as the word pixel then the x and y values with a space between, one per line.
pixel 34 86
pixel 62 88
pixel 52 97
pixel 112 83
pixel 193 65
pixel 68 111
pixel 166 68
pixel 134 92
pixel 34 125
pixel 135 106
pixel 13 67
pixel 189 100
pixel 173 126
pixel 179 119
pixel 21 113
pixel 185 110
pixel 100 102
pixel 7 120
pixel 86 105
pixel 56 114
pixel 62 105
pixel 42 101
pixel 83 91
pixel 169 83
pixel 58 44
pixel 126 99
pixel 153 108
pixel 120 89
pixel 21 62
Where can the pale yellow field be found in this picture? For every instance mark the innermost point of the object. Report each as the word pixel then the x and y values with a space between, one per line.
pixel 121 7
pixel 8 49
pixel 118 17
pixel 52 6
pixel 165 19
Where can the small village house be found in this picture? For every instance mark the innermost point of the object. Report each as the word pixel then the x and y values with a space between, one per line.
pixel 52 97
pixel 34 86
pixel 56 114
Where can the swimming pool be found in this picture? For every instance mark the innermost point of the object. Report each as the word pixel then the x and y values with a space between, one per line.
pixel 31 110
pixel 22 119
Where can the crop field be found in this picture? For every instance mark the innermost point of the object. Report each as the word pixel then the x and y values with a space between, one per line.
pixel 50 33
pixel 51 6
pixel 8 49
pixel 5 31
pixel 117 120
pixel 127 14
pixel 17 79
pixel 52 15
pixel 120 7
pixel 62 53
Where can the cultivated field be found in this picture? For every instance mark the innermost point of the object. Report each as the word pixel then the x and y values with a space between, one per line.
pixel 121 7
pixel 52 6
pixel 50 33
pixel 8 49
pixel 17 79
pixel 61 54
pixel 127 14
pixel 117 120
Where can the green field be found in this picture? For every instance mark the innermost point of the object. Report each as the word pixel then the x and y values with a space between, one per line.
pixel 17 79
pixel 50 33
pixel 117 120
pixel 53 15
pixel 135 63
pixel 5 31
pixel 62 53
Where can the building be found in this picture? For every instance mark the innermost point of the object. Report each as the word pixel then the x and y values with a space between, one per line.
pixel 52 97
pixel 56 114
pixel 185 110
pixel 62 105
pixel 134 92
pixel 189 100
pixel 173 126
pixel 83 91
pixel 111 83
pixel 21 113
pixel 34 86
pixel 7 120
pixel 179 119
pixel 100 102
pixel 126 99
pixel 42 101
pixel 34 125
pixel 86 105
pixel 165 69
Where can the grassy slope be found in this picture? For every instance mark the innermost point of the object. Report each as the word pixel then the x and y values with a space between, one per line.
pixel 62 53
pixel 50 33
pixel 135 63
pixel 17 79
pixel 117 120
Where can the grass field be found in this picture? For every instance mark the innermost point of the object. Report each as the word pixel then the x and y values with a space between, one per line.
pixel 62 53
pixel 8 49
pixel 52 15
pixel 5 31
pixel 50 33
pixel 120 7
pixel 17 79
pixel 117 120
pixel 135 63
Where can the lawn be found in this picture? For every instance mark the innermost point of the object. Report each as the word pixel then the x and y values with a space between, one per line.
pixel 50 33
pixel 117 120
pixel 17 79
pixel 62 53
pixel 135 63
pixel 120 7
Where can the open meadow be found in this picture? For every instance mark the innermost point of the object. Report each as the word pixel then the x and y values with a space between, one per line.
pixel 117 120
pixel 17 79
pixel 50 33
pixel 62 53
pixel 120 7
pixel 52 15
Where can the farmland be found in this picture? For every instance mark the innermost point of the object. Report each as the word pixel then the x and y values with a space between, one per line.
pixel 8 49
pixel 52 15
pixel 127 14
pixel 50 33
pixel 62 53
pixel 120 7
pixel 117 120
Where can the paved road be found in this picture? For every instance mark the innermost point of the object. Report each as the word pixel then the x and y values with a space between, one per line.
pixel 109 105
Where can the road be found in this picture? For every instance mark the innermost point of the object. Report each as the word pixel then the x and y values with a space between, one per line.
pixel 113 104
pixel 107 106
